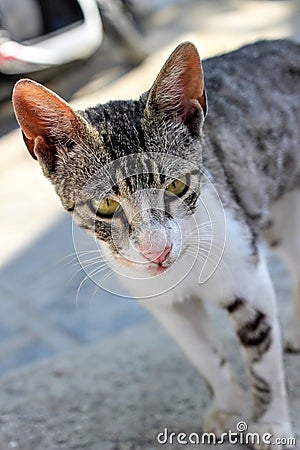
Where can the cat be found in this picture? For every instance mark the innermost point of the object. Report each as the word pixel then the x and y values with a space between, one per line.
pixel 181 198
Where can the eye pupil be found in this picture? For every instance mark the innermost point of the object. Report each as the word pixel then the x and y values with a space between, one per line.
pixel 105 208
pixel 177 187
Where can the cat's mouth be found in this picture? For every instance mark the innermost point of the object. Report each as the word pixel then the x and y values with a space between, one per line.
pixel 147 267
pixel 161 268
pixel 150 260
pixel 158 268
pixel 153 270
pixel 159 260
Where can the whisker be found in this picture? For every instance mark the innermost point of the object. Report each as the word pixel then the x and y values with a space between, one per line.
pixel 79 289
pixel 83 266
pixel 74 255
pixel 87 267
pixel 203 254
pixel 95 259
pixel 207 223
pixel 89 275
pixel 207 246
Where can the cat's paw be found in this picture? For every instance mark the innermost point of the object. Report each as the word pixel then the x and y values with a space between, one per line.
pixel 219 422
pixel 292 343
pixel 271 436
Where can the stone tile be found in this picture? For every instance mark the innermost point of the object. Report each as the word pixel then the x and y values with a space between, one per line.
pixel 6 331
pixel 41 256
pixel 25 355
pixel 95 319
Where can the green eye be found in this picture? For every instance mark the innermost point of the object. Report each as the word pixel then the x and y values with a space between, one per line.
pixel 107 207
pixel 177 187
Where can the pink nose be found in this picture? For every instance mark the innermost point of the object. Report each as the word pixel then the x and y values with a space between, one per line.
pixel 159 256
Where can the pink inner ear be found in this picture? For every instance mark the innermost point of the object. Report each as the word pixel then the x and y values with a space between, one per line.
pixel 179 87
pixel 192 78
pixel 36 107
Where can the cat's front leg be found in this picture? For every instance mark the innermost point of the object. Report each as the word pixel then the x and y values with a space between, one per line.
pixel 292 341
pixel 190 326
pixel 255 320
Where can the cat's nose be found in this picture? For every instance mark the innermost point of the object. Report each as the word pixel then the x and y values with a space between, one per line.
pixel 155 246
pixel 157 257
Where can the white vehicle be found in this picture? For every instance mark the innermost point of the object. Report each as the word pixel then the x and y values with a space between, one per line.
pixel 38 34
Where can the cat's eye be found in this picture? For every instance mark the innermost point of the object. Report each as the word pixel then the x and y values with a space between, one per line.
pixel 106 207
pixel 178 187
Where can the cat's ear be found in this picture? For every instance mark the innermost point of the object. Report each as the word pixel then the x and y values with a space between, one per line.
pixel 178 92
pixel 46 120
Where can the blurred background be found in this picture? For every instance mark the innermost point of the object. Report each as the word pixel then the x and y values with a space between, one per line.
pixel 89 52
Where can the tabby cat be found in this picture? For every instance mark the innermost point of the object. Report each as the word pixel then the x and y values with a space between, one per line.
pixel 180 201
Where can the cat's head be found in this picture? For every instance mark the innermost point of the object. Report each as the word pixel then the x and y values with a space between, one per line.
pixel 129 171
